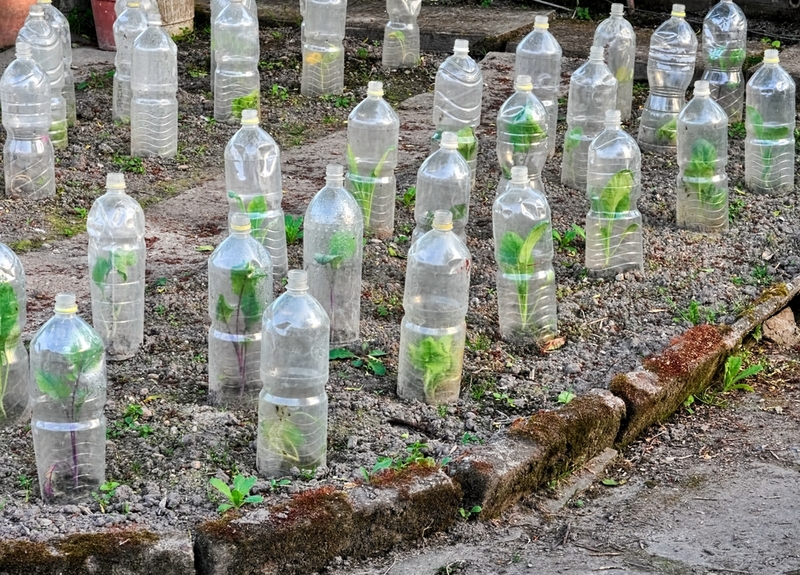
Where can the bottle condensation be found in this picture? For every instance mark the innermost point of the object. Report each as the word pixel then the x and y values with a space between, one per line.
pixel 239 291
pixel 670 69
pixel 28 155
pixel 216 7
pixel 592 91
pixel 115 226
pixel 154 86
pixel 433 330
pixel 373 131
pixel 127 27
pixel 48 52
pixel 253 182
pixel 332 252
pixel 401 35
pixel 457 97
pixel 443 183
pixel 67 397
pixel 293 404
pixel 616 35
pixel 539 56
pixel 769 148
pixel 522 128
pixel 724 50
pixel 237 84
pixel 58 21
pixel 613 185
pixel 13 357
pixel 702 194
pixel 523 248
pixel 323 52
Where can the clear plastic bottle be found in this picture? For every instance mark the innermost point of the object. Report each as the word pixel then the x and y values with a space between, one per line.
pixel 670 69
pixel 149 7
pixel 239 291
pixel 13 357
pixel 293 405
pixel 217 6
pixel 724 51
pixel 373 131
pixel 523 248
pixel 401 35
pixel 237 83
pixel 433 329
pixel 539 56
pixel 702 194
pixel 443 183
pixel 67 397
pixel 613 185
pixel 154 85
pixel 323 52
pixel 332 248
pixel 458 92
pixel 616 35
pixel 253 181
pixel 522 124
pixel 58 21
pixel 116 264
pixel 48 52
pixel 28 155
pixel 769 148
pixel 127 27
pixel 592 91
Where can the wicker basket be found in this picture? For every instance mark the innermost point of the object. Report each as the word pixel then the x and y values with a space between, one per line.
pixel 177 16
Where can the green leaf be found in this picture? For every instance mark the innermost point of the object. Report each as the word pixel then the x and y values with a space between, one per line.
pixel 224 507
pixel 523 130
pixel 340 353
pixel 243 484
pixel 432 356
pixel 525 257
pixel 223 310
pixel 459 212
pixel 510 248
pixel 610 482
pixel 669 131
pixel 616 195
pixel 204 249
pixel 9 317
pixel 467 143
pixel 52 385
pixel 220 486
pixel 341 246
pixel 239 201
pixel 376 366
pixel 121 260
pixel 253 499
pixel 100 270
pixel 572 139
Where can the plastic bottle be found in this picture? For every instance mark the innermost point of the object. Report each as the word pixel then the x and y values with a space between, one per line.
pixel 539 56
pixel 373 131
pixel 443 183
pixel 616 35
pixel 724 51
pixel 237 83
pixel 253 181
pixel 332 248
pixel 116 264
pixel 670 69
pixel 48 52
pixel 592 91
pixel 293 405
pixel 127 27
pixel 67 396
pixel 149 6
pixel 702 195
pixel 13 357
pixel 523 248
pixel 458 92
pixel 522 124
pixel 58 21
pixel 28 156
pixel 323 53
pixel 154 84
pixel 217 6
pixel 401 35
pixel 613 185
pixel 239 291
pixel 769 148
pixel 433 329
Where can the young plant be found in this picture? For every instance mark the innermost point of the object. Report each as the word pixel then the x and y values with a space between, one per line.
pixel 699 174
pixel 721 57
pixel 294 228
pixel 572 140
pixel 105 494
pixel 370 360
pixel 410 196
pixel 433 356
pixel 283 433
pixel 766 133
pixel 364 186
pixel 256 208
pixel 236 494
pixel 467 513
pixel 668 133
pixel 118 261
pixel 734 374
pixel 524 131
pixel 564 242
pixel 400 37
pixel 516 259
pixel 341 247
pixel 467 143
pixel 323 62
pixel 9 336
pixel 565 397
pixel 247 102
pixel 613 202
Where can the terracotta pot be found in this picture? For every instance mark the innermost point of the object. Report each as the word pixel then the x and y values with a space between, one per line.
pixel 13 13
pixel 104 17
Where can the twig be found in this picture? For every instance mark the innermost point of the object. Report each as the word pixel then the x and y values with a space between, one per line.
pixel 609 554
pixel 566 533
pixel 390 566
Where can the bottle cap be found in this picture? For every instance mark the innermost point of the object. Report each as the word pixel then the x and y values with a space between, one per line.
pixel 617 9
pixel 523 83
pixel 65 303
pixel 613 118
pixel 298 280
pixel 375 88
pixel 240 223
pixel 541 22
pixel 23 49
pixel 334 171
pixel 701 88
pixel 442 220
pixel 44 1
pixel 519 175
pixel 115 181
pixel 249 116
pixel 461 47
pixel 770 56
pixel 37 10
pixel 153 19
pixel 449 141
pixel 132 4
pixel 678 11
pixel 596 53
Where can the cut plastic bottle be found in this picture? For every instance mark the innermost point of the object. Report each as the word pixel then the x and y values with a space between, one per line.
pixel 433 329
pixel 237 83
pixel 724 51
pixel 28 155
pixel 115 226
pixel 373 131
pixel 702 195
pixel 253 181
pixel 769 148
pixel 523 248
pixel 616 35
pixel 58 21
pixel 14 372
pixel 67 397
pixel 401 35
pixel 323 52
pixel 239 291
pixel 217 6
pixel 332 253
pixel 293 405
pixel 149 6
pixel 127 27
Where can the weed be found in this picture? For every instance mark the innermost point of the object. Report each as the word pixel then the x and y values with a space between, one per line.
pixel 583 14
pixel 82 212
pixel 294 228
pixel 640 89
pixel 687 403
pixel 480 342
pixel 690 314
pixel 503 397
pixel 416 456
pixel 769 43
pixel 362 53
pixel 276 483
pixel 761 274
pixel 470 439
pixel 735 208
pixel 81 22
pixel 184 36
pixel 565 397
pixel 195 72
pixel 735 374
pixel 25 483
pixel 736 130
pixel 130 421
pixel 279 92
pixel 369 359
pixel 565 241
pixel 277 35
pixel 129 164
pixel 237 494
pixel 382 310
pixel 107 491
pixel 307 474
pixel 410 196
pixel 467 513
pixel 96 81
pixel 442 410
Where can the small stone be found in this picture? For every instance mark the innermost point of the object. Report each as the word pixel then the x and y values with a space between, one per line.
pixel 173 500
pixel 196 464
pixel 572 368
pixel 782 328
pixel 144 391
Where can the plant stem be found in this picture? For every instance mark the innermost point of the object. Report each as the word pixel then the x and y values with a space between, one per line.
pixel 240 348
pixel 4 382
pixel 522 295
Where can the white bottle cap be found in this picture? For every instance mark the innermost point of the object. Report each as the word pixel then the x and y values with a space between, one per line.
pixel 442 220
pixel 770 56
pixel 115 181
pixel 523 83
pixel 132 4
pixel 678 11
pixel 375 88
pixel 701 88
pixel 613 118
pixel 449 141
pixel 461 47
pixel 541 22
pixel 23 50
pixel 240 223
pixel 44 1
pixel 519 175
pixel 153 19
pixel 249 116
pixel 334 171
pixel 596 53
pixel 37 10
pixel 617 9
pixel 297 280
pixel 65 303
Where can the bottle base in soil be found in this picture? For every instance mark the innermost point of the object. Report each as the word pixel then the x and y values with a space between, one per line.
pixel 527 306
pixel 708 215
pixel 29 169
pixel 400 45
pixel 613 245
pixel 14 382
pixel 228 353
pixel 769 169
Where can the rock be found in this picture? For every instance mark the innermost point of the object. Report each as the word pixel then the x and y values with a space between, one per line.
pixel 782 328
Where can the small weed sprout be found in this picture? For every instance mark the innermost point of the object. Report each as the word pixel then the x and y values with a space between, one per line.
pixel 565 397
pixel 294 228
pixel 369 359
pixel 277 483
pixel 410 196
pixel 734 374
pixel 237 494
pixel 467 513
pixel 565 241
pixel 106 493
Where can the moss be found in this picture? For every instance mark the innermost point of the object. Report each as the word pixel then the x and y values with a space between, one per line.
pixel 26 556
pixel 402 479
pixel 681 357
pixel 776 290
pixel 26 245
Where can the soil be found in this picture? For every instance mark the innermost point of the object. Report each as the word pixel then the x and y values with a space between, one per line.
pixel 608 325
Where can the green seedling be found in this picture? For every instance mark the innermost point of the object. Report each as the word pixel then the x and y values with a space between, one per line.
pixel 770 43
pixel 25 483
pixel 130 421
pixel 410 196
pixel 236 494
pixel 400 37
pixel 467 143
pixel 342 247
pixel 9 336
pixel 247 102
pixel 105 495
pixel 734 374
pixel 467 513
pixel 470 439
pixel 504 397
pixel 668 133
pixel 523 131
pixel 364 186
pixel 565 397
pixel 434 357
pixel 761 274
pixel 769 134
pixel 516 259
pixel 721 57
pixel 129 164
pixel 699 174
pixel 736 130
pixel 278 483
pixel 415 457
pixel 564 241
pixel 294 228
pixel 613 202
pixel 369 359
pixel 279 92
